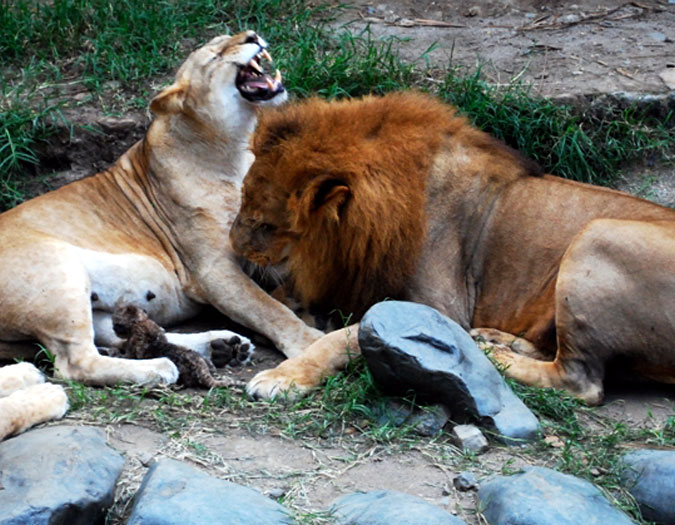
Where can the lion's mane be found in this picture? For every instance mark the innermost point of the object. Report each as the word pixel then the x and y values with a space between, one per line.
pixel 354 175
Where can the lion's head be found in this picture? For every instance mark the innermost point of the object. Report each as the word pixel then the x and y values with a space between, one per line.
pixel 336 193
pixel 227 70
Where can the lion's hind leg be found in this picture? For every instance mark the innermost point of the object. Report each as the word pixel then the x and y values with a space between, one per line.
pixel 27 400
pixel 521 361
pixel 504 339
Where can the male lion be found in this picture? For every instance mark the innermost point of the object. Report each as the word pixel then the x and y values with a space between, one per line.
pixel 149 231
pixel 399 197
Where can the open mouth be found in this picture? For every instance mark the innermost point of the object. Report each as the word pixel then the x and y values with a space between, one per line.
pixel 254 84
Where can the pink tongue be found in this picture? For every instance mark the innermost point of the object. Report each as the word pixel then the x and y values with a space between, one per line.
pixel 257 84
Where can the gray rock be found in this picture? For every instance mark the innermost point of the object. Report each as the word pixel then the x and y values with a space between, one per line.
pixel 59 475
pixel 649 475
pixel 412 346
pixel 392 413
pixel 658 36
pixel 386 507
pixel 542 496
pixel 175 493
pixel 465 481
pixel 429 422
pixel 469 438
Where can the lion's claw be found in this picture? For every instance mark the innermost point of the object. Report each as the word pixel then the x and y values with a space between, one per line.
pixel 270 384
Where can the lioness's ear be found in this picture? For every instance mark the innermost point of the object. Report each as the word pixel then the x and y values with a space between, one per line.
pixel 170 100
pixel 325 195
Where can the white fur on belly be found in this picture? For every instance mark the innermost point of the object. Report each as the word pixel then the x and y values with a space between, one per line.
pixel 124 279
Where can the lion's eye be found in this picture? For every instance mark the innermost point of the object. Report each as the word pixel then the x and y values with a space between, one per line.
pixel 267 227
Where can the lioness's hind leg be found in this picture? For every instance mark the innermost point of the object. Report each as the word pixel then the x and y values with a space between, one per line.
pixel 30 406
pixel 18 376
pixel 52 304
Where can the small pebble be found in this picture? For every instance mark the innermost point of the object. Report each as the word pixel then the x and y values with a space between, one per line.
pixel 470 439
pixel 465 481
pixel 276 493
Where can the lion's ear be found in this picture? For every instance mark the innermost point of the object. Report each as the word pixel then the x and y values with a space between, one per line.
pixel 326 196
pixel 170 100
pixel 275 133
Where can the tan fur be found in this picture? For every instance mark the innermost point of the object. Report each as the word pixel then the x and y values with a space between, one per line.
pixel 399 197
pixel 26 400
pixel 151 231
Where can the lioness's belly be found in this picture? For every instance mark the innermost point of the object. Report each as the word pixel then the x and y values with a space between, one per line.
pixel 122 279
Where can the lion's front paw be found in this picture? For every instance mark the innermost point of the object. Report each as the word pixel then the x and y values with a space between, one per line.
pixel 276 382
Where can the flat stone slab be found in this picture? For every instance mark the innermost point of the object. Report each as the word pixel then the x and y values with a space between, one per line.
pixel 541 496
pixel 175 493
pixel 60 475
pixel 412 346
pixel 386 507
pixel 649 475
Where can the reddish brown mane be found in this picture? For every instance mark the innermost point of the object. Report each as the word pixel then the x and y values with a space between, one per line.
pixel 354 176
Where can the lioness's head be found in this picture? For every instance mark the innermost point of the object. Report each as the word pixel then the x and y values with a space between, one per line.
pixel 225 74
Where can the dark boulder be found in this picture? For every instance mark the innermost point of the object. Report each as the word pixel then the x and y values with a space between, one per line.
pixel 412 346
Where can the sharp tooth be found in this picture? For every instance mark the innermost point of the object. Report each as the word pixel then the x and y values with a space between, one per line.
pixel 270 83
pixel 265 54
pixel 255 66
pixel 277 78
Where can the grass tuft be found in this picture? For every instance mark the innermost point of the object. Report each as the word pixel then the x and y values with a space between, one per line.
pixel 587 148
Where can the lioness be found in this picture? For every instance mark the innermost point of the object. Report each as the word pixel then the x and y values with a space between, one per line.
pixel 26 400
pixel 399 197
pixel 150 230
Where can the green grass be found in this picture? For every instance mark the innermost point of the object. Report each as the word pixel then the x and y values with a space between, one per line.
pixel 348 402
pixel 585 147
pixel 121 51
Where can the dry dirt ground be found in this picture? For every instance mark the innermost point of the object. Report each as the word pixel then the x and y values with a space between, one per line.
pixel 585 48
pixel 582 47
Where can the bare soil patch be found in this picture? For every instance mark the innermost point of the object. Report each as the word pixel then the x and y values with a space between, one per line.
pixel 583 47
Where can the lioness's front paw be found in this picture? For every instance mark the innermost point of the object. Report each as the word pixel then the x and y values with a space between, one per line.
pixel 275 382
pixel 162 372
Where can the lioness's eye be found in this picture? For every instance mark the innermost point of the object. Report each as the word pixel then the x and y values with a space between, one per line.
pixel 267 227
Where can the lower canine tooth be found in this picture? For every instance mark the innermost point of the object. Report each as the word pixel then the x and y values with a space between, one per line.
pixel 277 77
